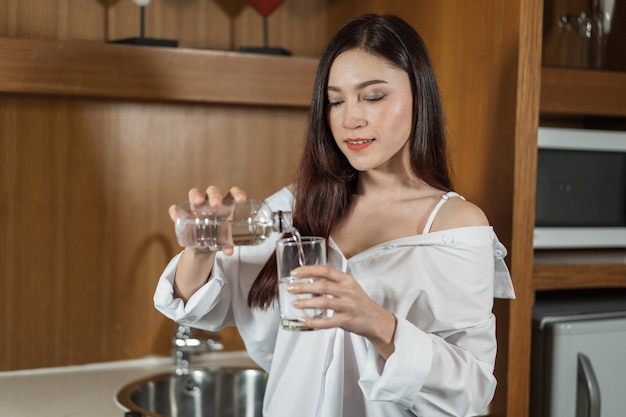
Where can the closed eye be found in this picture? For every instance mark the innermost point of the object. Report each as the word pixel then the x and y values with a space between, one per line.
pixel 374 99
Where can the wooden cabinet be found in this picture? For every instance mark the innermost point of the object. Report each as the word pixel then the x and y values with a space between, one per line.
pixel 578 97
pixel 96 141
pixel 582 98
pixel 543 95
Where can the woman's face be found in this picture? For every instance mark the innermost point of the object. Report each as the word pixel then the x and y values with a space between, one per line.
pixel 370 110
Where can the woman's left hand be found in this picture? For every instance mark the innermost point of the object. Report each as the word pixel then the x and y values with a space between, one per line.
pixel 353 309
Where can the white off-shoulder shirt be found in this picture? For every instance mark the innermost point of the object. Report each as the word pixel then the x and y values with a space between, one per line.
pixel 440 285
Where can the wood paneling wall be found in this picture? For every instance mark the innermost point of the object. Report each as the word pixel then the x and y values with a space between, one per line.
pixel 299 26
pixel 85 183
pixel 85 231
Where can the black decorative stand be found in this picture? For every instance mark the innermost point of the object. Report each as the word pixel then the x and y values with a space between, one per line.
pixel 142 40
pixel 265 49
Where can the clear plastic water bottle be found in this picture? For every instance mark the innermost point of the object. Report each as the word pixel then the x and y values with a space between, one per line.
pixel 206 228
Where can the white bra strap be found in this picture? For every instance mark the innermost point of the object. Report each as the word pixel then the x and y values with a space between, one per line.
pixel 433 213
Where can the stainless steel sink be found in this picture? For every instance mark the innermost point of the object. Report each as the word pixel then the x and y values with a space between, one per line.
pixel 204 392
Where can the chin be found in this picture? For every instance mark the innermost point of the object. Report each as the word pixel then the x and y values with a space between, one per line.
pixel 360 166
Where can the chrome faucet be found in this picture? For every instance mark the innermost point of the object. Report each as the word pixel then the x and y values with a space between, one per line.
pixel 185 345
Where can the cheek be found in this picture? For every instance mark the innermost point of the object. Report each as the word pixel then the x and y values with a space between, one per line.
pixel 399 117
pixel 333 121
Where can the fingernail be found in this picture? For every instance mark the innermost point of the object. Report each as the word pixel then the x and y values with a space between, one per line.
pixel 301 319
pixel 290 287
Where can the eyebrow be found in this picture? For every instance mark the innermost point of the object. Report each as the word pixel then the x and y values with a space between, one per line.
pixel 361 85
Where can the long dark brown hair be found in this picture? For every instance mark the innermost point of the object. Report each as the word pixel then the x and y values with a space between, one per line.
pixel 325 181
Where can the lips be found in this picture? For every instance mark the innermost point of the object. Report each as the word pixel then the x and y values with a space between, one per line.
pixel 358 144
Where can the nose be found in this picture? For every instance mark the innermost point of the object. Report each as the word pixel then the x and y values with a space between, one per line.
pixel 354 117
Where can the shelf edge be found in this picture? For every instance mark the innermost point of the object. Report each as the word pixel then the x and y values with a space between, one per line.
pixel 557 277
pixel 583 92
pixel 92 69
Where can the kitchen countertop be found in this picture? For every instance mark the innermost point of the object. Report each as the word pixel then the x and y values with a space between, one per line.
pixel 89 390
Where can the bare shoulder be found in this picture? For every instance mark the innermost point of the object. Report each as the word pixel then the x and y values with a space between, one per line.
pixel 457 212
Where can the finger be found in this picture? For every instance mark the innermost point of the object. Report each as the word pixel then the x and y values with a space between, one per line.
pixel 196 197
pixel 318 302
pixel 172 212
pixel 321 286
pixel 214 195
pixel 321 271
pixel 317 323
pixel 238 194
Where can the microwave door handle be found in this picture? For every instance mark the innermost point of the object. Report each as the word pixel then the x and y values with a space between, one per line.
pixel 588 390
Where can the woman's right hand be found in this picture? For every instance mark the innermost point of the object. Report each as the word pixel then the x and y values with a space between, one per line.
pixel 195 267
pixel 213 198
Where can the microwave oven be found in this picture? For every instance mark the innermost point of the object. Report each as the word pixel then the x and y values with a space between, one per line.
pixel 581 189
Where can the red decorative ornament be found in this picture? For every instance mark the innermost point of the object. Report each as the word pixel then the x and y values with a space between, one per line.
pixel 265 7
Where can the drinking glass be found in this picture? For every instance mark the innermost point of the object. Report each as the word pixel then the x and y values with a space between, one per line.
pixel 292 253
pixel 571 47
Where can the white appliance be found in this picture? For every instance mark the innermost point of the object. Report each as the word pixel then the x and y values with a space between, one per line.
pixel 581 189
pixel 579 358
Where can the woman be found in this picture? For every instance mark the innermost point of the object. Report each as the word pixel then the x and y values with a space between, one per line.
pixel 413 267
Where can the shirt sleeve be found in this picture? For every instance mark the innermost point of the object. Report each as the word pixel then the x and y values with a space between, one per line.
pixel 394 380
pixel 430 376
pixel 502 284
pixel 213 297
pixel 445 343
pixel 222 301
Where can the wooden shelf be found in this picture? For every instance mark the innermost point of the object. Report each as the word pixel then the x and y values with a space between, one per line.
pixel 578 92
pixel 560 277
pixel 93 69
pixel 583 92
